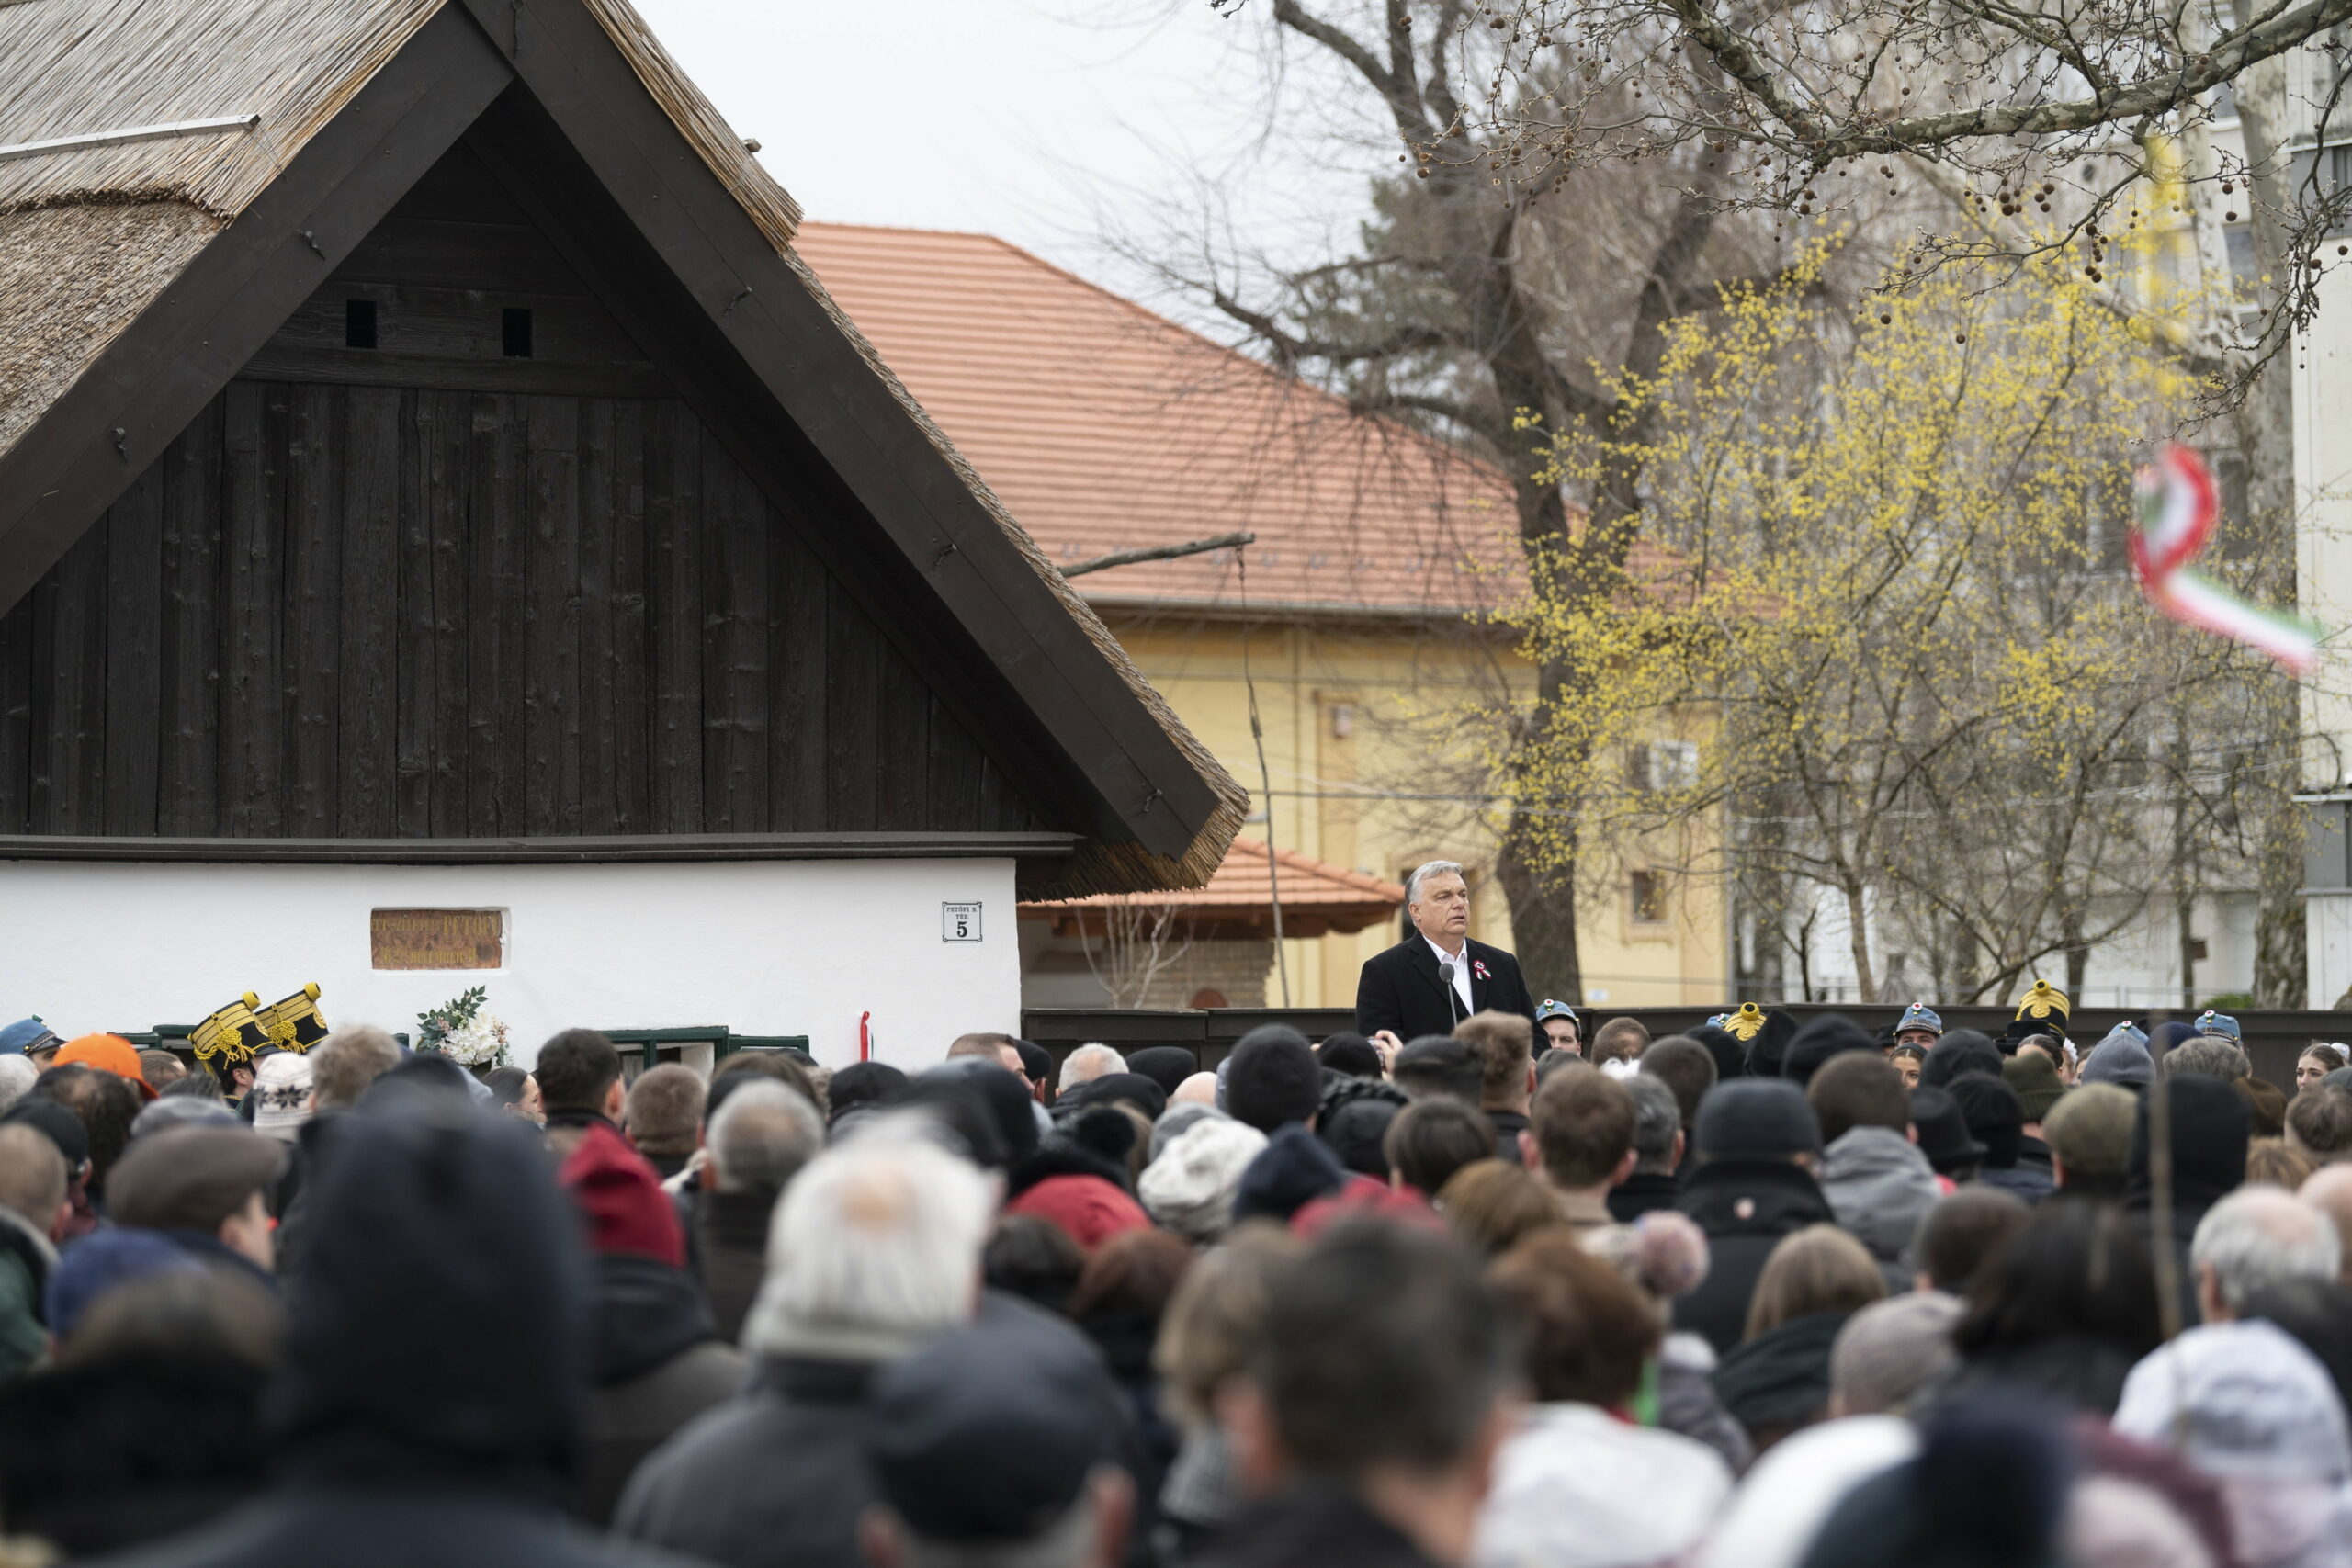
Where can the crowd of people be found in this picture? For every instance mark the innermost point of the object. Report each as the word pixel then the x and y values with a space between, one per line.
pixel 1755 1296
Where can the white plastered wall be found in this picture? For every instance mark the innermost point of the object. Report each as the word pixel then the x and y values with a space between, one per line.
pixel 763 947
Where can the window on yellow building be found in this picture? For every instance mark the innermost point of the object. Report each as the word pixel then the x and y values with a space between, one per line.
pixel 1646 896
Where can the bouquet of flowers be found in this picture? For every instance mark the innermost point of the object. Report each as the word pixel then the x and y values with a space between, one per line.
pixel 462 1032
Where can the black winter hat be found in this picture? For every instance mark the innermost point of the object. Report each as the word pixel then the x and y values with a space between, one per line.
pixel 1167 1065
pixel 863 1083
pixel 1356 1131
pixel 1961 1051
pixel 1143 1093
pixel 439 1330
pixel 1831 1035
pixel 1036 1061
pixel 1994 1116
pixel 62 1127
pixel 988 1434
pixel 1762 1117
pixel 1294 1170
pixel 1440 1063
pixel 1348 1052
pixel 1769 1049
pixel 1272 1078
pixel 1942 1131
pixel 2211 1128
pixel 1731 1056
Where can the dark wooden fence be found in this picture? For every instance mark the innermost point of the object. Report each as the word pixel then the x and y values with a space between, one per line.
pixel 2273 1039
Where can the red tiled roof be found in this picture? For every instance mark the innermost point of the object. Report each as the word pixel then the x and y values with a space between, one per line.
pixel 1104 427
pixel 1317 898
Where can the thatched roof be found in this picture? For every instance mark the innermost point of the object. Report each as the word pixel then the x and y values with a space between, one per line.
pixel 94 231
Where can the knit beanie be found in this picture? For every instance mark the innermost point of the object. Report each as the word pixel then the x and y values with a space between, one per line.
pixel 1189 1188
pixel 1831 1035
pixel 1090 1210
pixel 281 1095
pixel 2035 1079
pixel 1765 1117
pixel 2121 1058
pixel 1892 1349
pixel 1294 1167
pixel 622 1199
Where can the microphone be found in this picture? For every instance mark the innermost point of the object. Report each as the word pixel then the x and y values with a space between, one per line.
pixel 1452 997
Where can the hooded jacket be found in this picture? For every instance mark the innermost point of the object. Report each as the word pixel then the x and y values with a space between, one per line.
pixel 2211 1128
pixel 656 1362
pixel 1744 1206
pixel 26 1258
pixel 431 1382
pixel 1878 1184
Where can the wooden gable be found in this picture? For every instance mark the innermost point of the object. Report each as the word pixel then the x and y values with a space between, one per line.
pixel 556 514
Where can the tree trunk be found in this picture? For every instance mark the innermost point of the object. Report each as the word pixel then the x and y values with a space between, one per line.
pixel 2266 437
pixel 1858 938
pixel 1542 912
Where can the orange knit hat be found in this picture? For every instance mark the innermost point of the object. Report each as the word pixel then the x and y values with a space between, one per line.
pixel 109 1054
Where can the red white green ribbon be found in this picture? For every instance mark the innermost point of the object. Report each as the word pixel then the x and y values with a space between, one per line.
pixel 2178 506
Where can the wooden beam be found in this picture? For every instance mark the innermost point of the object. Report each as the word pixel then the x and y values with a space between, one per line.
pixel 162 369
pixel 609 848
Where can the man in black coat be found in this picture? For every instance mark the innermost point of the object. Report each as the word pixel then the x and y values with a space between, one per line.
pixel 1757 1141
pixel 1405 992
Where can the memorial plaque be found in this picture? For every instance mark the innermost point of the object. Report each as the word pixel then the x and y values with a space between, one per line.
pixel 437 939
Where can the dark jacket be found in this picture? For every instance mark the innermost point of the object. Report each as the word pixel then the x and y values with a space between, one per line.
pixel 26 1258
pixel 427 1400
pixel 305 1526
pixel 179 1436
pixel 1778 1382
pixel 2211 1130
pixel 2082 1371
pixel 729 1236
pixel 1744 1206
pixel 776 1476
pixel 1509 1125
pixel 658 1364
pixel 1643 1193
pixel 1312 1524
pixel 1399 989
pixel 2022 1181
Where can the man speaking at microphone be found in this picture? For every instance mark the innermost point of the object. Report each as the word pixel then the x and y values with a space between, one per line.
pixel 1437 976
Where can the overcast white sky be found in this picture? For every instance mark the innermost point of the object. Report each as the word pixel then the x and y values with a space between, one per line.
pixel 1058 124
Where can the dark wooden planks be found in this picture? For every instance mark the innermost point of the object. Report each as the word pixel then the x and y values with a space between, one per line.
pixel 188 788
pixel 132 657
pixel 797 609
pixel 444 433
pixel 312 667
pixel 735 648
pixel 494 652
pixel 376 421
pixel 673 562
pixel 378 613
pixel 16 717
pixel 253 738
pixel 550 601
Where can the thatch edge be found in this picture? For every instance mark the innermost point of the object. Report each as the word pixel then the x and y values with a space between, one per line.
pixel 1100 865
pixel 698 120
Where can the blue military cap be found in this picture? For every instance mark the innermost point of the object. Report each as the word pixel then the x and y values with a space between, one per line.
pixel 1551 1008
pixel 2221 1023
pixel 1919 1015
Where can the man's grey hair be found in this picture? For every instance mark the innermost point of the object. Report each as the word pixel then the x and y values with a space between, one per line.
pixel 2210 1056
pixel 347 1062
pixel 1091 1062
pixel 1066 1543
pixel 1428 869
pixel 17 1076
pixel 2260 1235
pixel 1657 1117
pixel 761 1137
pixel 875 1249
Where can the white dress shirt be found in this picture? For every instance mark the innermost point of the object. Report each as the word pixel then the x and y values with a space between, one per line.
pixel 1461 962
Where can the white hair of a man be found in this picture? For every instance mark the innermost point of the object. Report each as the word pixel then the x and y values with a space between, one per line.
pixel 17 1076
pixel 1090 1062
pixel 2261 1236
pixel 761 1137
pixel 874 1250
pixel 1424 871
